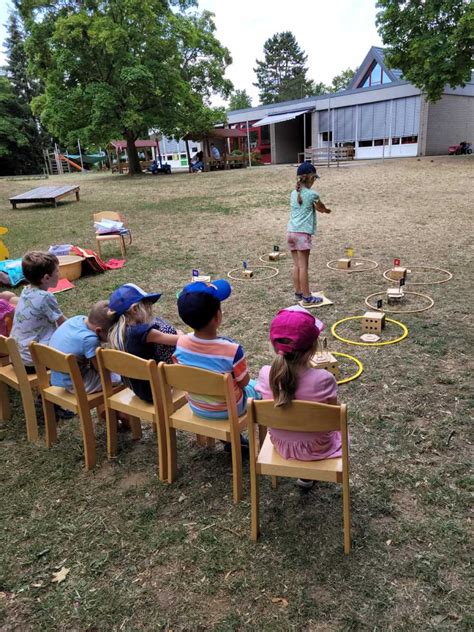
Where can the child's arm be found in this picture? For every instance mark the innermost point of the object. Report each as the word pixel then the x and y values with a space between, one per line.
pixel 158 337
pixel 321 208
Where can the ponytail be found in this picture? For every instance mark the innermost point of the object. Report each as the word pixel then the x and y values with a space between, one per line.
pixel 284 374
pixel 303 181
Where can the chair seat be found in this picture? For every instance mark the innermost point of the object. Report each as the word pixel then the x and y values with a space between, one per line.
pixel 126 401
pixel 8 375
pixel 271 463
pixel 62 397
pixel 108 236
pixel 185 419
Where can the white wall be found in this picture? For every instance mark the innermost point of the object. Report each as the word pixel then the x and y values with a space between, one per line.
pixel 391 151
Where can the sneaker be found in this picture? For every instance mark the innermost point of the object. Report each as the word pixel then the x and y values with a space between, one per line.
pixel 244 446
pixel 311 300
pixel 298 296
pixel 61 413
pixel 304 483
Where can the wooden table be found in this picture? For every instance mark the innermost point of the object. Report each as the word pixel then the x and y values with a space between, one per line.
pixel 50 195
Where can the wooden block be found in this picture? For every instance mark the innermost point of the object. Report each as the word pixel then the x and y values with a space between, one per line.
pixel 343 264
pixel 373 322
pixel 397 273
pixel 202 278
pixel 325 360
pixel 248 274
pixel 273 256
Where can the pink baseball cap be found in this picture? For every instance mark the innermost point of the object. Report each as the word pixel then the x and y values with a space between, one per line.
pixel 297 327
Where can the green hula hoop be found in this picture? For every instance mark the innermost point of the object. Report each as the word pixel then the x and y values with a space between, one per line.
pixel 360 367
pixel 403 327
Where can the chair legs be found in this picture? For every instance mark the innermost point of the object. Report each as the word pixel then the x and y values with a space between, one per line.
pixel 88 438
pixel 162 452
pixel 122 246
pixel 172 456
pixel 97 241
pixel 51 431
pixel 111 426
pixel 4 402
pixel 30 415
pixel 346 508
pixel 136 428
pixel 254 504
pixel 236 469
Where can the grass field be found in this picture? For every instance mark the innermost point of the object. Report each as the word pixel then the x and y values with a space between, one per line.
pixel 143 555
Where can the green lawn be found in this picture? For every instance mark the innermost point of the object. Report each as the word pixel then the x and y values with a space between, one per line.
pixel 143 555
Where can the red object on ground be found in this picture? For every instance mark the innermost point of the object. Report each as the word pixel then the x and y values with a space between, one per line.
pixel 62 286
pixel 94 263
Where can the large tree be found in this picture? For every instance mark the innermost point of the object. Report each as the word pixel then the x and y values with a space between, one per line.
pixel 122 67
pixel 342 80
pixel 239 100
pixel 431 41
pixel 282 73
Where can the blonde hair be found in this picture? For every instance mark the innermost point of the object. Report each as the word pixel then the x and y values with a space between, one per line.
pixel 306 181
pixel 100 315
pixel 141 312
pixel 284 373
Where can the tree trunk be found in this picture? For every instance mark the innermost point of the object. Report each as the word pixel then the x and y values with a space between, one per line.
pixel 133 162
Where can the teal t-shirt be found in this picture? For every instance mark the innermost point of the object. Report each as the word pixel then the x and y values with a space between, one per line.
pixel 303 216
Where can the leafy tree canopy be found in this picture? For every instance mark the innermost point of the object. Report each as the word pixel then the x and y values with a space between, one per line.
pixel 239 100
pixel 281 76
pixel 341 81
pixel 123 67
pixel 431 41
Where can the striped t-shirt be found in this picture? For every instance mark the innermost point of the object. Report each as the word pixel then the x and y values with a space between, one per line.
pixel 221 355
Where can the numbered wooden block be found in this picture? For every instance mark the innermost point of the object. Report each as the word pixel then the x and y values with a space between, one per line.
pixel 325 360
pixel 372 322
pixel 276 255
pixel 248 274
pixel 397 273
pixel 202 278
pixel 394 295
pixel 343 264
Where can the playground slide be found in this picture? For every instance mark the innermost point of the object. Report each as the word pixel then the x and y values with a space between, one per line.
pixel 71 162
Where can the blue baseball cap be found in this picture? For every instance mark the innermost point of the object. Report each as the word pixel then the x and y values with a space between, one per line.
pixel 199 302
pixel 127 295
pixel 306 168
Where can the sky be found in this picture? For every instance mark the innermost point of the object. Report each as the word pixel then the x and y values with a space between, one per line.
pixel 335 34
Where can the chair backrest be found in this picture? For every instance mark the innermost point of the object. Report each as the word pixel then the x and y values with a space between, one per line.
pixel 300 416
pixel 108 215
pixel 8 346
pixel 196 381
pixel 128 366
pixel 45 358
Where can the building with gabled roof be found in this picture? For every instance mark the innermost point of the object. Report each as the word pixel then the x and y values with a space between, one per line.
pixel 379 114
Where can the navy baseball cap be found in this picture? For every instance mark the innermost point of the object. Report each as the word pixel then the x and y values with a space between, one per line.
pixel 127 295
pixel 306 168
pixel 199 302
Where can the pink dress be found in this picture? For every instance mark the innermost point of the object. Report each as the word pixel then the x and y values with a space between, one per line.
pixel 315 385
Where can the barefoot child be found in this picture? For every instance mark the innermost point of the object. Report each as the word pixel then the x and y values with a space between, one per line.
pixel 294 335
pixel 301 228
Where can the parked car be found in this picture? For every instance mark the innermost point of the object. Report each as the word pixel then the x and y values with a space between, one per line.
pixel 462 148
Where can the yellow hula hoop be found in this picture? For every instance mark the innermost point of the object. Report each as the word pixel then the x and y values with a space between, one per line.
pixel 360 367
pixel 403 327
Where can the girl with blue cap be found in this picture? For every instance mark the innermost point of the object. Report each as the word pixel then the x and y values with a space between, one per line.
pixel 301 228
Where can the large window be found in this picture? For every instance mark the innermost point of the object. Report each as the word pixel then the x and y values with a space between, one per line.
pixel 375 76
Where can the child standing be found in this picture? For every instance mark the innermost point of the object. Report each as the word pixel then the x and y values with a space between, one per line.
pixel 37 314
pixel 138 332
pixel 294 334
pixel 199 306
pixel 301 227
pixel 81 336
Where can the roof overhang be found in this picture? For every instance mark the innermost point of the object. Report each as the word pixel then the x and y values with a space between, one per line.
pixel 279 118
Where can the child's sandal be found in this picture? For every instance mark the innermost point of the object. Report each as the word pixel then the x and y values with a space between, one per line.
pixel 299 296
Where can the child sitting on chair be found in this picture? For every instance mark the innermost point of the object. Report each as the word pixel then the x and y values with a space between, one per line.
pixel 37 314
pixel 294 334
pixel 137 331
pixel 81 335
pixel 199 306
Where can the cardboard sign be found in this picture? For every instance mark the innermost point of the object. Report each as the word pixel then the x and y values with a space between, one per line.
pixel 402 282
pixel 349 251
pixel 379 303
pixel 276 248
pixel 396 262
pixel 244 263
pixel 195 272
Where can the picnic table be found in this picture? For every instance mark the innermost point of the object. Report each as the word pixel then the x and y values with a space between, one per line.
pixel 50 195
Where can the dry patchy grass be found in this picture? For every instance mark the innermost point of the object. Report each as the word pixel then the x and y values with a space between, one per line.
pixel 146 556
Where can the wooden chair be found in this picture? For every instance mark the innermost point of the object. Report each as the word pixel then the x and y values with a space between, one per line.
pixel 125 401
pixel 265 460
pixel 201 382
pixel 15 376
pixel 79 401
pixel 112 236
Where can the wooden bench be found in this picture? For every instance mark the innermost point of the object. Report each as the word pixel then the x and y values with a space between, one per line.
pixel 49 195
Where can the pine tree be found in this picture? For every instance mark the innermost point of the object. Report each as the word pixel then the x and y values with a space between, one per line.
pixel 281 76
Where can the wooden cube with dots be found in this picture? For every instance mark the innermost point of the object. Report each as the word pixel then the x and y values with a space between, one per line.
pixel 372 322
pixel 247 274
pixel 397 273
pixel 325 360
pixel 343 264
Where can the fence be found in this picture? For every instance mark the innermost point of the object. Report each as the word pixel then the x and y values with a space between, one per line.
pixel 323 155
